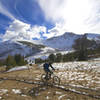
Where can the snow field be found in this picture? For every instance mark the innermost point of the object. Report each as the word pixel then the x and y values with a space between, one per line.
pixel 84 74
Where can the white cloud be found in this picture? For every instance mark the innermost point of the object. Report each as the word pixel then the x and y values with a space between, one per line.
pixel 79 16
pixel 21 30
pixel 1 35
pixel 4 11
pixel 56 31
pixel 37 29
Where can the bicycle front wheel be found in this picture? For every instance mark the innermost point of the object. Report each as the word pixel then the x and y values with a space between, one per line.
pixel 56 80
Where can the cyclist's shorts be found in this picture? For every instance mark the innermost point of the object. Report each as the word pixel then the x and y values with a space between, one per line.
pixel 47 70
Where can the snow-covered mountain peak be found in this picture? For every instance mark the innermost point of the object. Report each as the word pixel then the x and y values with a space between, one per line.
pixel 70 34
pixel 93 36
pixel 65 41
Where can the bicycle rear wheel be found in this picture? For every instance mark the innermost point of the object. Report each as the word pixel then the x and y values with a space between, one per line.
pixel 56 80
pixel 43 77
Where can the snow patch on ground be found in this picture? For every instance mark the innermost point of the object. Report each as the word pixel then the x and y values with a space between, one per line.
pixel 57 92
pixel 2 92
pixel 16 91
pixel 23 95
pixel 0 97
pixel 18 68
pixel 78 65
pixel 47 97
pixel 60 97
pixel 82 74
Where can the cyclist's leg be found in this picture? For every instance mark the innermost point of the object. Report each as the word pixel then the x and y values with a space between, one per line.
pixel 47 75
pixel 46 72
pixel 50 72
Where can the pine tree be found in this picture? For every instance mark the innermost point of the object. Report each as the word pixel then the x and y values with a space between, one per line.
pixel 10 62
pixel 19 60
pixel 52 58
pixel 38 60
pixel 81 46
pixel 1 62
pixel 59 57
pixel 65 58
pixel 22 61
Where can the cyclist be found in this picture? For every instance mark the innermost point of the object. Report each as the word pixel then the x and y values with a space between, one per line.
pixel 46 66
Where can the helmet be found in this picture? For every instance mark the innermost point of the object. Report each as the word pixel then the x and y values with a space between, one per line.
pixel 50 62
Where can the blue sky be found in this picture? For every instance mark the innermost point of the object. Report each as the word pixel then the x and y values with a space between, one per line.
pixel 40 19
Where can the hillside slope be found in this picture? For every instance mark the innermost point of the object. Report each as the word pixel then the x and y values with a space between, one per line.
pixel 18 47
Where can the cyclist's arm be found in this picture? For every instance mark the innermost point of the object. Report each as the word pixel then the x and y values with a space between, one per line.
pixel 52 67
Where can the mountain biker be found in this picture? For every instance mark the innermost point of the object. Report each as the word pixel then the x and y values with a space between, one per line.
pixel 46 66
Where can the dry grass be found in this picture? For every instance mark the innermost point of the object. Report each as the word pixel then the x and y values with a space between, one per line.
pixel 2 69
pixel 71 77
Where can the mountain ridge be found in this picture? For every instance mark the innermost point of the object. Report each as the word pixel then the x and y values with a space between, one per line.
pixel 65 41
pixel 41 47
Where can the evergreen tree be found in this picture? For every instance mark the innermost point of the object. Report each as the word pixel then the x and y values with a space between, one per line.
pixel 38 60
pixel 10 62
pixel 59 57
pixel 52 58
pixel 23 62
pixel 65 58
pixel 19 60
pixel 1 62
pixel 81 46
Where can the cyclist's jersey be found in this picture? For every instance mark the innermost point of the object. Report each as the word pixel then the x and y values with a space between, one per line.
pixel 47 65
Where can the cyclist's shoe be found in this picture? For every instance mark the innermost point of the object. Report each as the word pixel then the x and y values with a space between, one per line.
pixel 46 78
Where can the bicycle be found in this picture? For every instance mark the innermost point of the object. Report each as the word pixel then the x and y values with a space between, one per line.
pixel 54 79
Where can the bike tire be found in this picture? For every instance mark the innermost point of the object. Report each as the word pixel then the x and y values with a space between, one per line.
pixel 56 80
pixel 43 77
